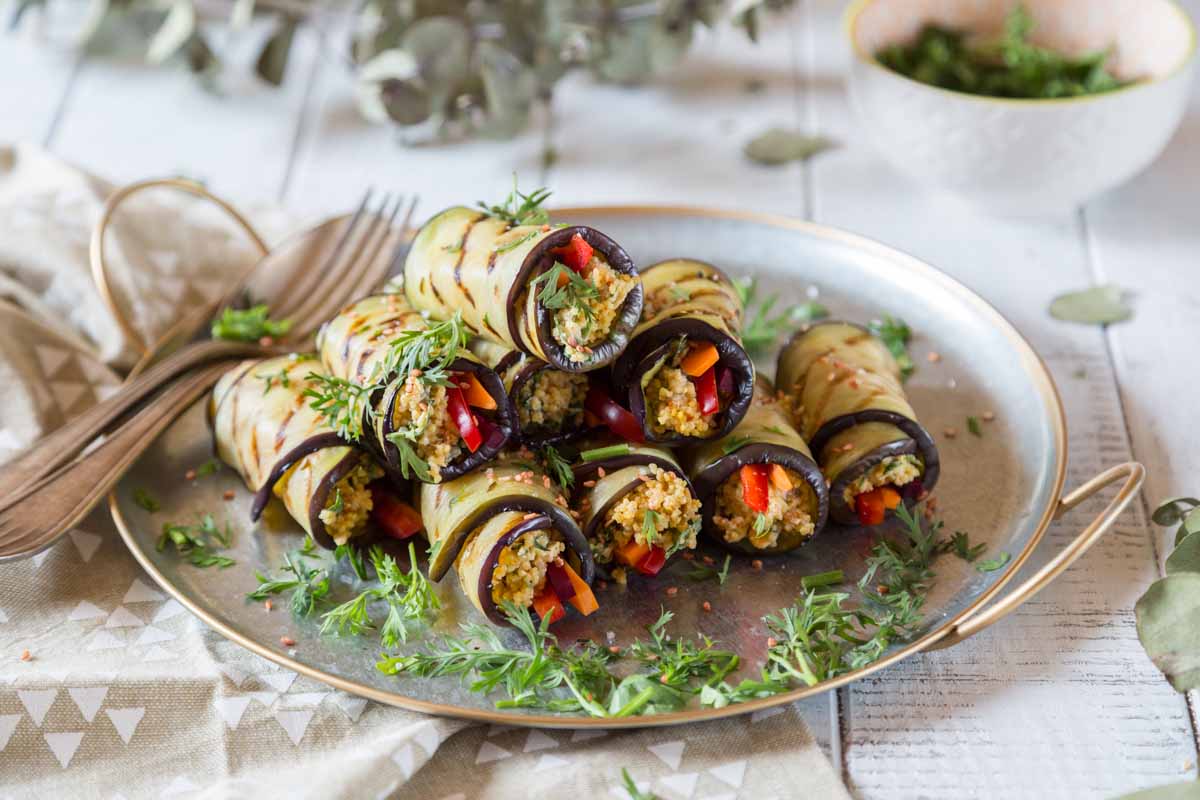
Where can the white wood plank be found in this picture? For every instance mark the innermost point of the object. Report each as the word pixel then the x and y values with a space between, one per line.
pixel 34 79
pixel 341 154
pixel 1058 700
pixel 678 140
pixel 127 121
pixel 1146 237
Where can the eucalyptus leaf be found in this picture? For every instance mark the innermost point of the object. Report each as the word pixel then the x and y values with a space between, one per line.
pixel 1186 556
pixel 509 89
pixel 405 102
pixel 176 29
pixel 1099 305
pixel 1171 511
pixel 272 61
pixel 1166 624
pixel 397 70
pixel 781 146
pixel 441 47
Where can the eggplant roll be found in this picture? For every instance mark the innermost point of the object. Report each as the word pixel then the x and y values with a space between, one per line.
pixel 762 491
pixel 490 271
pixel 265 429
pixel 406 412
pixel 846 397
pixel 689 307
pixel 501 527
pixel 548 401
pixel 632 500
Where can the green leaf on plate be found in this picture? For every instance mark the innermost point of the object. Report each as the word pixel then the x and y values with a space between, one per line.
pixel 780 146
pixel 1166 624
pixel 1099 305
pixel 1186 556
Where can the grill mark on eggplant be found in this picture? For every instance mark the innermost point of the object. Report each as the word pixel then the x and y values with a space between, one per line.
pixel 487 324
pixel 281 434
pixel 869 399
pixel 254 444
pixel 437 294
pixel 827 395
pixel 462 246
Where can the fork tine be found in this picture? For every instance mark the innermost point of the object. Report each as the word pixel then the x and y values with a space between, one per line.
pixel 382 268
pixel 296 293
pixel 334 286
pixel 365 265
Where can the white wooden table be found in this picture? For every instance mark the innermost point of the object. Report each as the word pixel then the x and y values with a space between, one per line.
pixel 1056 701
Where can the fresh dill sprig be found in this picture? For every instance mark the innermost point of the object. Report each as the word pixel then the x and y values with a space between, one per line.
pixel 650 526
pixel 354 557
pixel 960 545
pixel 197 542
pixel 895 335
pixel 342 403
pixel 429 351
pixel 558 468
pixel 762 330
pixel 409 597
pixel 411 464
pixel 703 572
pixel 209 467
pixel 145 500
pixel 573 294
pixel 307 585
pixel 519 208
pixel 248 325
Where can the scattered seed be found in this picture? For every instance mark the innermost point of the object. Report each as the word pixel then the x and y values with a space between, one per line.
pixel 882 588
pixel 988 416
pixel 772 641
pixel 229 494
pixel 600 471
pixel 266 341
pixel 287 641
pixel 269 605
pixel 190 475
pixel 672 591
pixel 950 433
pixel 756 563
pixel 934 357
pixel 687 555
pixel 707 606
pixel 709 560
pixel 614 649
pixel 602 584
pixel 26 655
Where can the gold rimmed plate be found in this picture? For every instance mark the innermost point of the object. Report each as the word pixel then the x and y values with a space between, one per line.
pixel 1005 488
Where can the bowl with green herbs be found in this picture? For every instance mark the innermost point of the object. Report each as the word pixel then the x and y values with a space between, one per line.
pixel 1020 107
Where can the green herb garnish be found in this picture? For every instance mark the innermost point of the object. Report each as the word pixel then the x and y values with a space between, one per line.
pixel 354 557
pixel 307 585
pixel 1006 66
pixel 734 443
pixel 631 787
pixel 209 467
pixel 650 525
pixel 762 523
pixel 703 572
pixel 601 453
pixel 762 330
pixel 519 208
pixel 573 294
pixel 338 505
pixel 993 564
pixel 146 500
pixel 558 467
pixel 410 463
pixel 409 597
pixel 961 546
pixel 821 579
pixel 197 542
pixel 974 427
pixel 341 403
pixel 248 325
pixel 895 335
pixel 513 245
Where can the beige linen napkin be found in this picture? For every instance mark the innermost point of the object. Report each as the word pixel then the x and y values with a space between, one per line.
pixel 109 689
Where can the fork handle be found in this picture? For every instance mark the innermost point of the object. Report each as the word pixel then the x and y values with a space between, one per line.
pixel 68 441
pixel 35 519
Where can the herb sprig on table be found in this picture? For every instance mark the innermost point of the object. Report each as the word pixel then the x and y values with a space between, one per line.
pixel 1006 66
pixel 198 543
pixel 762 329
pixel 1166 613
pixel 519 208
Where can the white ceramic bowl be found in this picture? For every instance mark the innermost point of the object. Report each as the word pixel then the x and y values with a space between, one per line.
pixel 1025 156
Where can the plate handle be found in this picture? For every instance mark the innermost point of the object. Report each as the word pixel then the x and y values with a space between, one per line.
pixel 1133 474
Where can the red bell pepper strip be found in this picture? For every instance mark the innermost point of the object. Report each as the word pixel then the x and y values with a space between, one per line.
pixel 706 392
pixel 548 604
pixel 870 507
pixel 463 419
pixel 394 517
pixel 576 254
pixel 652 562
pixel 618 420
pixel 756 480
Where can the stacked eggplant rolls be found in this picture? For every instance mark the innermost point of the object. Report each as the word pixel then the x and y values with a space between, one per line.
pixel 542 414
pixel 847 399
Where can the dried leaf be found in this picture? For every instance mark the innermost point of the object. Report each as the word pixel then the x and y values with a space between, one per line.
pixel 1099 305
pixel 1166 624
pixel 272 61
pixel 781 146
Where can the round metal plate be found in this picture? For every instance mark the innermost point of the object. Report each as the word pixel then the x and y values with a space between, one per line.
pixel 1002 488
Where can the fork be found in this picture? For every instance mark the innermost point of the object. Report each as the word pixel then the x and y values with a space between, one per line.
pixel 37 515
pixel 307 297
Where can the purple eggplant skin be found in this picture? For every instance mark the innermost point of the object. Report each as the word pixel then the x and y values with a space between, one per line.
pixel 484 586
pixel 483 267
pixel 504 418
pixel 850 366
pixel 696 300
pixel 515 370
pixel 710 478
pixel 602 496
pixel 320 495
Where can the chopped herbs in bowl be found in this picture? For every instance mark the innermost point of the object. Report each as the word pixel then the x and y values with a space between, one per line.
pixel 1008 65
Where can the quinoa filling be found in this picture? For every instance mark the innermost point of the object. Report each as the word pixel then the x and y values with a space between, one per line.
pixel 520 571
pixel 894 471
pixel 586 321
pixel 672 405
pixel 350 503
pixel 423 425
pixel 552 400
pixel 786 515
pixel 660 512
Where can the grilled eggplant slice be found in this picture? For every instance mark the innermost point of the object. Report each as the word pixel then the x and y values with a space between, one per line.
pixel 689 305
pixel 548 401
pixel 491 272
pixel 636 504
pixel 266 431
pixel 501 528
pixel 846 397
pixel 762 491
pixel 404 415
